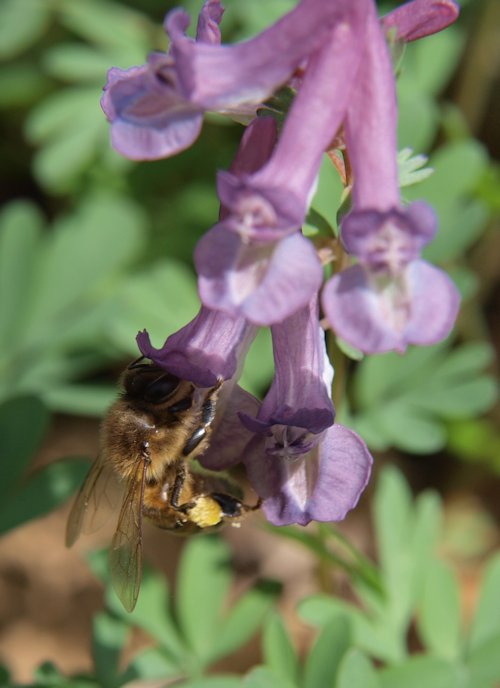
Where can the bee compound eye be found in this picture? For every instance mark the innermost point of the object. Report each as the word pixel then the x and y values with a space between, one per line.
pixel 161 388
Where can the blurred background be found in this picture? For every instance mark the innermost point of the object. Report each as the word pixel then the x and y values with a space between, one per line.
pixel 94 248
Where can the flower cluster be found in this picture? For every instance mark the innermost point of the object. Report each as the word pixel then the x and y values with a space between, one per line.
pixel 255 267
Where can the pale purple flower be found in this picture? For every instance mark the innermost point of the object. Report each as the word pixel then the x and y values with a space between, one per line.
pixel 251 275
pixel 300 464
pixel 392 298
pixel 255 261
pixel 149 116
pixel 156 110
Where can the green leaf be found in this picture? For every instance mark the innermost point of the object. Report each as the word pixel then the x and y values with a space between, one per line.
pixel 411 168
pixel 151 613
pixel 259 364
pixel 405 399
pixel 22 22
pixel 21 225
pixel 203 584
pixel 393 525
pixel 350 351
pixel 146 301
pixel 421 671
pixel 108 640
pixel 418 119
pixel 371 634
pixel 322 663
pixel 244 618
pixel 486 623
pixel 484 664
pixel 80 400
pixel 58 164
pixel 439 617
pixel 220 681
pixel 405 426
pixel 430 64
pixel 17 446
pixel 458 168
pixel 21 85
pixel 265 677
pixel 42 492
pixel 70 268
pixel 109 25
pixel 328 193
pixel 77 62
pixel 151 663
pixel 356 671
pixel 279 653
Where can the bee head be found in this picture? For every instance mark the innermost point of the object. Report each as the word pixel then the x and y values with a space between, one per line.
pixel 149 383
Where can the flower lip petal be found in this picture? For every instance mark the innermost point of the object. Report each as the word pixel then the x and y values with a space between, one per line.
pixel 323 486
pixel 389 240
pixel 261 213
pixel 148 119
pixel 419 309
pixel 258 281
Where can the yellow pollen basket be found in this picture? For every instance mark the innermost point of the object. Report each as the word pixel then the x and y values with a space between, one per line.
pixel 206 512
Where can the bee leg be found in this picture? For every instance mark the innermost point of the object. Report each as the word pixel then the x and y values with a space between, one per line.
pixel 175 495
pixel 207 414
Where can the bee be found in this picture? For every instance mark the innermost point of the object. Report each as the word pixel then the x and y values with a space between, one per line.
pixel 148 439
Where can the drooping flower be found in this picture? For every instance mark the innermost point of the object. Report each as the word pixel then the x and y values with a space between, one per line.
pixel 156 110
pixel 256 261
pixel 391 298
pixel 300 464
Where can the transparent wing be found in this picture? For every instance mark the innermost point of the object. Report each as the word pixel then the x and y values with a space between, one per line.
pixel 125 556
pixel 87 513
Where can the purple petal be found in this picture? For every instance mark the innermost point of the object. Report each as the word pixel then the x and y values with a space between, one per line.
pixel 421 18
pixel 229 436
pixel 319 107
pixel 435 304
pixel 210 347
pixel 321 486
pixel 222 77
pixel 300 392
pixel 148 118
pixel 209 19
pixel 265 283
pixel 261 213
pixel 419 307
pixel 370 126
pixel 388 241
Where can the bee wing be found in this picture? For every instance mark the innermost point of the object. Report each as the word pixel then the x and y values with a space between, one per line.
pixel 125 555
pixel 86 514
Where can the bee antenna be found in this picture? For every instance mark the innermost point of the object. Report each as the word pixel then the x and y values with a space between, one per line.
pixel 137 363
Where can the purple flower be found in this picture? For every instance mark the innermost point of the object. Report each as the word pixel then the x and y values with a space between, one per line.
pixel 392 298
pixel 250 274
pixel 156 110
pixel 255 261
pixel 209 348
pixel 300 464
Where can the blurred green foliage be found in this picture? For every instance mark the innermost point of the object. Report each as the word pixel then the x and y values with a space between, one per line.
pixel 361 645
